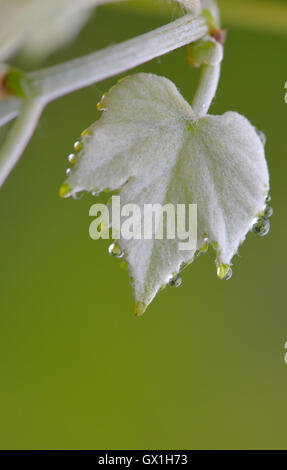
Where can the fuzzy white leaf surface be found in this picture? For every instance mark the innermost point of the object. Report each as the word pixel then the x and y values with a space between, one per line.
pixel 149 144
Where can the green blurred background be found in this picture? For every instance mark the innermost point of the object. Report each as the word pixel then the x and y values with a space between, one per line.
pixel 204 367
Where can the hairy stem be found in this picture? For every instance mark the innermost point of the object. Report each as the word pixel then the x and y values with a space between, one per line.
pixel 65 78
pixel 19 136
pixel 9 109
pixel 51 83
pixel 206 90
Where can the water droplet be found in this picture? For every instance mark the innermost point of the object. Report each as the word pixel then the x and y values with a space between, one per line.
pixel 64 190
pixel 72 158
pixel 140 308
pixel 175 280
pixel 224 272
pixel 115 250
pixel 268 212
pixel 268 198
pixel 78 145
pixel 262 227
pixel 261 136
pixel 68 171
pixel 228 275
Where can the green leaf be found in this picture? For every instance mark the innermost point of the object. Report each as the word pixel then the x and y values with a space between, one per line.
pixel 149 144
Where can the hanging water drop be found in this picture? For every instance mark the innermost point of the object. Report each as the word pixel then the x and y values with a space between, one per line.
pixel 262 227
pixel 261 136
pixel 228 275
pixel 115 250
pixel 78 145
pixel 175 281
pixel 72 158
pixel 268 212
pixel 68 171
pixel 224 272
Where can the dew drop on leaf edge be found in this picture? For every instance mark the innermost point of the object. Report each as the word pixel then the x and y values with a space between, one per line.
pixel 262 227
pixel 78 145
pixel 72 158
pixel 224 272
pixel 261 136
pixel 115 250
pixel 175 281
pixel 268 212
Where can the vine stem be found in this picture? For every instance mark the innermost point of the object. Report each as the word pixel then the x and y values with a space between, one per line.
pixel 206 90
pixel 57 81
pixel 60 80
pixel 19 136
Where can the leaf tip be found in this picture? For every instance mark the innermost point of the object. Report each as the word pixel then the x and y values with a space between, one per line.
pixel 64 190
pixel 139 309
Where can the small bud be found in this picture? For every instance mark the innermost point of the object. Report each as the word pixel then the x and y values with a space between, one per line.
pixel 219 35
pixel 205 52
pixel 3 89
pixel 16 83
